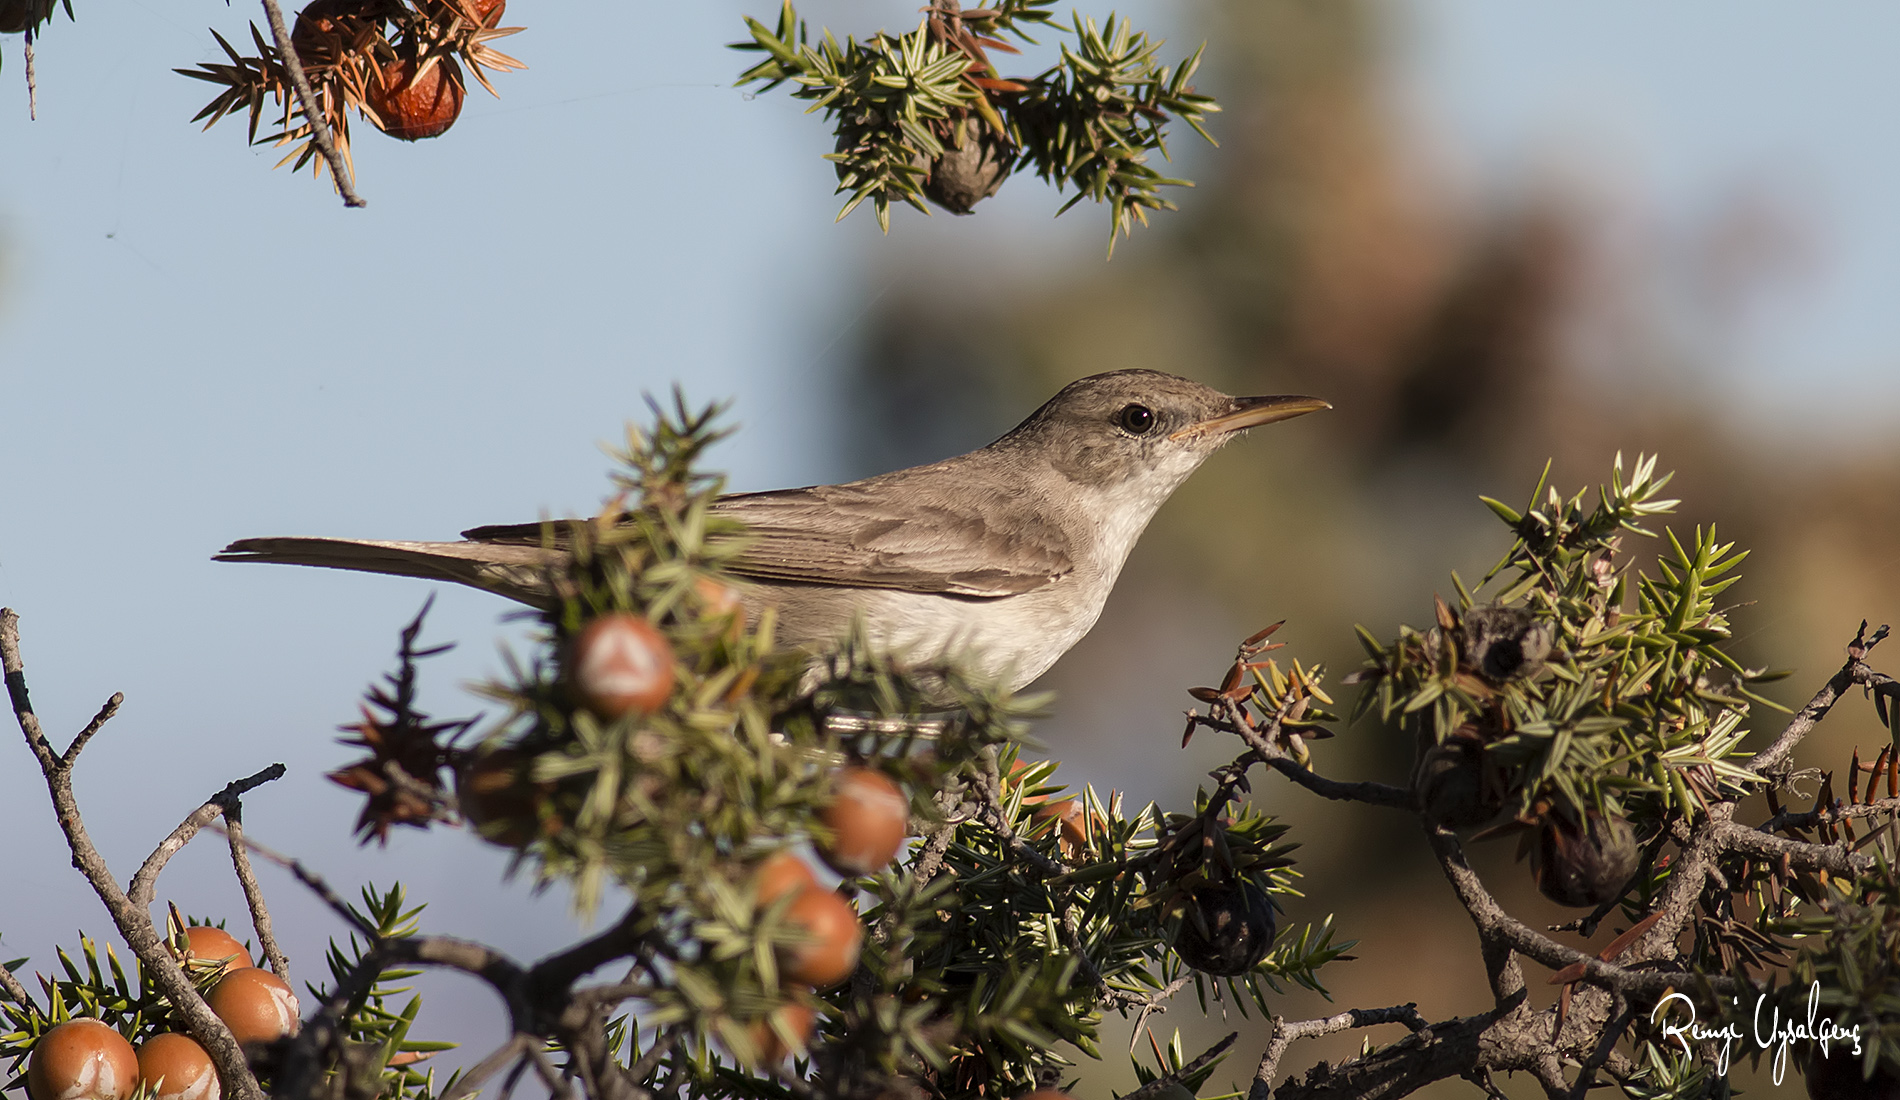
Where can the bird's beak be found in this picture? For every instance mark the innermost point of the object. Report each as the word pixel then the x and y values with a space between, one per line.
pixel 1251 412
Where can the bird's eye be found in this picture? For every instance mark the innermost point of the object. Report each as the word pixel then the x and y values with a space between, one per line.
pixel 1136 419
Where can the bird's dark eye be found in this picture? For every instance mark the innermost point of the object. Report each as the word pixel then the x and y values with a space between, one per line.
pixel 1136 419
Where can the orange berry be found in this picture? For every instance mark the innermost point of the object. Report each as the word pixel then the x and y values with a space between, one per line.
pixel 798 1018
pixel 716 598
pixel 215 945
pixel 175 1067
pixel 869 817
pixel 623 665
pixel 780 874
pixel 833 936
pixel 255 1004
pixel 82 1060
pixel 1016 768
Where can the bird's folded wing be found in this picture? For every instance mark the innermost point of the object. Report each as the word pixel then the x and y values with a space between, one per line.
pixel 845 535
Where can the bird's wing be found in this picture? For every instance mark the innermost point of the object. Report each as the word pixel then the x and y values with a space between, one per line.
pixel 847 535
pixel 857 536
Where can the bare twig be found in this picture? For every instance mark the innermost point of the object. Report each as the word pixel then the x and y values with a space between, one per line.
pixel 313 882
pixel 1835 859
pixel 998 822
pixel 32 82
pixel 145 882
pixel 1854 671
pixel 663 1043
pixel 106 714
pixel 1495 924
pixel 544 1069
pixel 1829 815
pixel 1376 794
pixel 552 977
pixel 14 991
pixel 133 922
pixel 253 893
pixel 1157 1003
pixel 307 99
pixel 1285 1034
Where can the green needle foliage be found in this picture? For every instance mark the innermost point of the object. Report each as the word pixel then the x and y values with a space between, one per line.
pixel 928 115
pixel 1582 691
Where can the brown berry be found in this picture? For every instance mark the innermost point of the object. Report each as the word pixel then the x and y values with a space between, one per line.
pixel 623 665
pixel 411 105
pixel 833 936
pixel 18 15
pixel 780 874
pixel 255 1004
pixel 82 1060
pixel 799 1019
pixel 869 817
pixel 1227 929
pixel 496 797
pixel 717 599
pixel 1047 1094
pixel 327 29
pixel 1583 864
pixel 486 13
pixel 1839 1076
pixel 175 1067
pixel 215 945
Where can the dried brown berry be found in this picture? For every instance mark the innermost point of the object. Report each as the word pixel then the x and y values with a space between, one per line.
pixel 1583 865
pixel 326 29
pixel 1451 786
pixel 1838 1076
pixel 411 104
pixel 484 13
pixel 969 171
pixel 1505 643
pixel 496 797
pixel 1227 929
pixel 18 15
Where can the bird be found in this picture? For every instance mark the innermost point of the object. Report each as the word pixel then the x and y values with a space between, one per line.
pixel 1000 559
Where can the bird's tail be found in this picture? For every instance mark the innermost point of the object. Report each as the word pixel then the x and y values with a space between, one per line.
pixel 515 571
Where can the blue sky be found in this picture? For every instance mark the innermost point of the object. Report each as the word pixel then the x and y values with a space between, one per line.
pixel 1680 107
pixel 194 348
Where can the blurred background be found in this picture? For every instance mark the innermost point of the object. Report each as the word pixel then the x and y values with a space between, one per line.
pixel 1492 234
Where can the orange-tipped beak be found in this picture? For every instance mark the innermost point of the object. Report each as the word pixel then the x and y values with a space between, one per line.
pixel 1251 412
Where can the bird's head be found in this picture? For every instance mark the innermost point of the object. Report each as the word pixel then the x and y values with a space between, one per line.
pixel 1141 432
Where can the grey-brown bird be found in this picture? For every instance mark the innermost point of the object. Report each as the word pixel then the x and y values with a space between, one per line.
pixel 1000 558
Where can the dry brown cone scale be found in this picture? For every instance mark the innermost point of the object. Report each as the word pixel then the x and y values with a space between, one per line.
pixel 403 66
